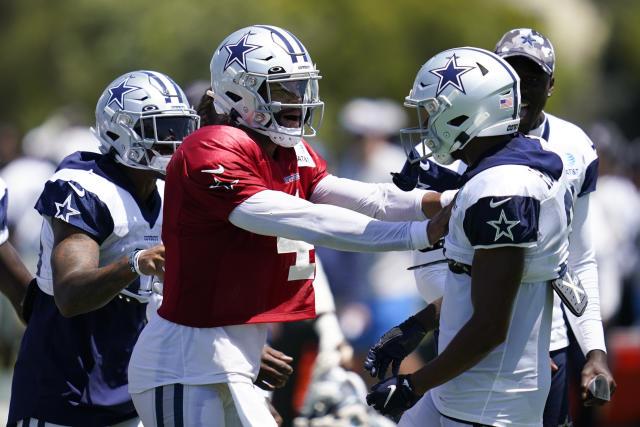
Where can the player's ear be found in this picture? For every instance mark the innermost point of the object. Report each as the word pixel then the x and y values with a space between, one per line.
pixel 552 82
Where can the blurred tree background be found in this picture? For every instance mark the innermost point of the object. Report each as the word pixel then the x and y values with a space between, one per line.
pixel 64 52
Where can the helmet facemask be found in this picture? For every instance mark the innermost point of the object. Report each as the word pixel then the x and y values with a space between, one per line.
pixel 284 106
pixel 422 142
pixel 153 137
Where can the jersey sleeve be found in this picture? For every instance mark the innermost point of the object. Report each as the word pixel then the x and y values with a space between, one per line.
pixel 590 162
pixel 68 201
pixel 590 178
pixel 502 221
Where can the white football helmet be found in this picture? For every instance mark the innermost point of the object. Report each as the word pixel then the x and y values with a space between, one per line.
pixel 460 94
pixel 337 398
pixel 263 78
pixel 141 118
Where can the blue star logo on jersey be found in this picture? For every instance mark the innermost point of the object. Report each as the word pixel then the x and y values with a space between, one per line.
pixel 238 52
pixel 117 93
pixel 528 39
pixel 450 75
pixel 503 226
pixel 64 210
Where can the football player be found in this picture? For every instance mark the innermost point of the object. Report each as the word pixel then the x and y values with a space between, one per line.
pixel 246 200
pixel 532 56
pixel 100 255
pixel 507 241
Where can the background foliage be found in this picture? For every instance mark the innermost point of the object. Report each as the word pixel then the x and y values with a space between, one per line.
pixel 65 52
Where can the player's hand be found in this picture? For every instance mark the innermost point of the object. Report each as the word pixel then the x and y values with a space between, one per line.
pixel 151 261
pixel 393 347
pixel 554 367
pixel 596 364
pixel 392 396
pixel 438 227
pixel 274 369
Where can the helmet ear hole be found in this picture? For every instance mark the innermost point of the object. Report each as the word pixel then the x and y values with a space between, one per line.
pixel 112 135
pixel 457 121
pixel 233 96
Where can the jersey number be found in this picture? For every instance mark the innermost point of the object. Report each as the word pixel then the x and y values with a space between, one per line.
pixel 303 269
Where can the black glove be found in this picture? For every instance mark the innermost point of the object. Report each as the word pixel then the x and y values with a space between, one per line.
pixel 392 396
pixel 394 346
pixel 408 177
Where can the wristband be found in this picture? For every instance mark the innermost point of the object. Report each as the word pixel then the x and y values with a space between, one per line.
pixel 134 257
pixel 136 266
pixel 446 197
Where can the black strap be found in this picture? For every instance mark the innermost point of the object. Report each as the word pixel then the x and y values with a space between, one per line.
pixel 458 267
pixel 468 423
pixel 427 264
pixel 437 245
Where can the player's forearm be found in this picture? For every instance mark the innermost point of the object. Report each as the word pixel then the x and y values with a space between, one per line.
pixel 588 327
pixel 470 345
pixel 14 276
pixel 429 317
pixel 274 213
pixel 382 201
pixel 83 290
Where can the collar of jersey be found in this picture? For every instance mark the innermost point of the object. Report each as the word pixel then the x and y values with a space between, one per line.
pixel 518 151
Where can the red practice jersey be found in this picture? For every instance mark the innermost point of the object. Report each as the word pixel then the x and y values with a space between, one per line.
pixel 217 274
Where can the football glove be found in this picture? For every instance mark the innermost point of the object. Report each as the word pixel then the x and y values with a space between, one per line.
pixel 392 396
pixel 393 346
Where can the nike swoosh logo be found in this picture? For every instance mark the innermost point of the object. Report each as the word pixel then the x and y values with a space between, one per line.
pixel 393 390
pixel 493 204
pixel 219 169
pixel 79 192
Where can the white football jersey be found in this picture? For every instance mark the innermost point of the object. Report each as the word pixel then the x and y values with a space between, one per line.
pixel 84 194
pixel 515 197
pixel 581 168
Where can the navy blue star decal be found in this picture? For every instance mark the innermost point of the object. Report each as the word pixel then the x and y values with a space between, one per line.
pixel 118 92
pixel 450 75
pixel 528 40
pixel 238 52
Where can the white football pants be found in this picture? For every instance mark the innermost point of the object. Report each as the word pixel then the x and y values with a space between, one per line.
pixel 221 404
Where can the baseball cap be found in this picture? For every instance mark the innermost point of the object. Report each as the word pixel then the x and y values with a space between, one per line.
pixel 529 43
